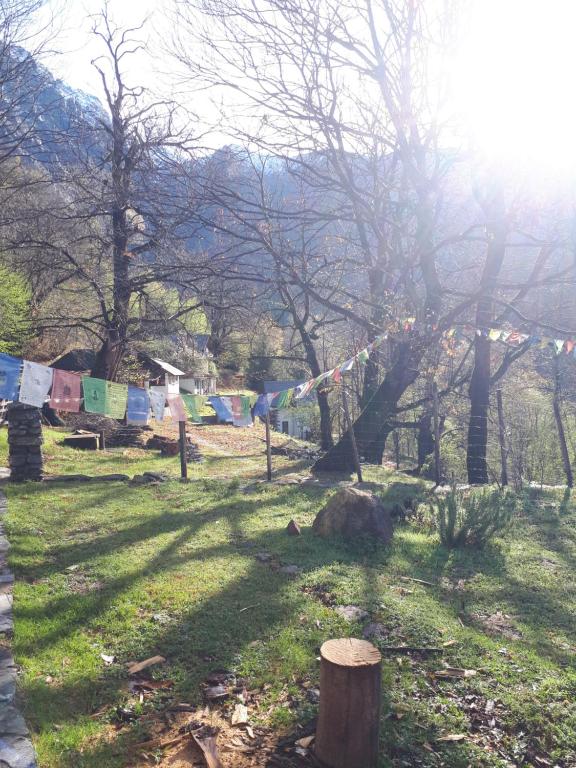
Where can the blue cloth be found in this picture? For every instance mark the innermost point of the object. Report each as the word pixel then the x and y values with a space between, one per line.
pixel 262 406
pixel 223 413
pixel 138 404
pixel 10 368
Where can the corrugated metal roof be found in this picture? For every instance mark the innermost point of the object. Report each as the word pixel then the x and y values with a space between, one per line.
pixel 167 367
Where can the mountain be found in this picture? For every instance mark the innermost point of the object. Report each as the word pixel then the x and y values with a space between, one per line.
pixel 40 113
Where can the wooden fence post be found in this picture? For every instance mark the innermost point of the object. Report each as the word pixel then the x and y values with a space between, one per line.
pixel 350 428
pixel 502 437
pixel 437 465
pixel 183 457
pixel 268 448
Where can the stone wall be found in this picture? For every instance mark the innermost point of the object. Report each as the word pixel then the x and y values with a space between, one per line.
pixel 25 442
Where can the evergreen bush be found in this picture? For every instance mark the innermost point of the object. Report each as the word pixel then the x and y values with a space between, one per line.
pixel 471 520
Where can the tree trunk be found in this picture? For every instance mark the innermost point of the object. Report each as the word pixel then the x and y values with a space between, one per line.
pixel 476 464
pixel 374 423
pixel 479 391
pixel 425 442
pixel 560 426
pixel 325 420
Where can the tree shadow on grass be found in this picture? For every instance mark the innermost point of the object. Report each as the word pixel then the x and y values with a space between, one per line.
pixel 214 631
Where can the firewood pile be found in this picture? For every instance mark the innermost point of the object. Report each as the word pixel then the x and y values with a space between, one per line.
pixel 127 436
pixel 170 447
pixel 295 451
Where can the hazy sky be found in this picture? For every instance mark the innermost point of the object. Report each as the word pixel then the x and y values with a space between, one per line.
pixel 74 20
pixel 512 75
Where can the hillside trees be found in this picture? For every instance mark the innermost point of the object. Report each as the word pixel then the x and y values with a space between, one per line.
pixel 349 99
pixel 109 230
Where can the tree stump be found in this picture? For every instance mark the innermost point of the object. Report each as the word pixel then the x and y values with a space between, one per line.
pixel 349 717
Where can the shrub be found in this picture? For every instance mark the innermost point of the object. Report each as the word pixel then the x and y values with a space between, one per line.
pixel 471 520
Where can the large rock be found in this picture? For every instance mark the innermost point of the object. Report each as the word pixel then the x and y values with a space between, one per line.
pixel 351 513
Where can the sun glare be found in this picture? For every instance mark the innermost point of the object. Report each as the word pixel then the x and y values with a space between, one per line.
pixel 514 81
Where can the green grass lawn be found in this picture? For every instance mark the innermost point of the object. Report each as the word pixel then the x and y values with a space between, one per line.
pixel 167 570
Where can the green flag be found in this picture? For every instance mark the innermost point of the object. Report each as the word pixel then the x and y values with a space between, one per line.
pixel 94 395
pixel 193 405
pixel 116 400
pixel 245 404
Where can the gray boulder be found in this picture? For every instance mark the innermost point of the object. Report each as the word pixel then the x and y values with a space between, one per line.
pixel 351 513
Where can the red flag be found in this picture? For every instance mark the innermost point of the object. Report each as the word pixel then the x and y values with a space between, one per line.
pixel 177 409
pixel 65 391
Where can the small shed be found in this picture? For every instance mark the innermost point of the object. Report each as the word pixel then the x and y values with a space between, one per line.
pixel 161 375
pixel 295 420
pixel 75 361
pixel 201 378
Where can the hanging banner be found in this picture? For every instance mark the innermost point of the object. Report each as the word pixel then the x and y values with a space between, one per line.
pixel 222 411
pixel 262 406
pixel 116 399
pixel 284 398
pixel 10 368
pixel 158 403
pixel 241 415
pixel 35 384
pixel 177 410
pixel 138 406
pixel 94 391
pixel 66 393
pixel 194 405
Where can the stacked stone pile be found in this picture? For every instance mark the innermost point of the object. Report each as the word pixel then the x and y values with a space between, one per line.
pixel 25 442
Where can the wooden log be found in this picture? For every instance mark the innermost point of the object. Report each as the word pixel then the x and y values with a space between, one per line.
pixel 349 716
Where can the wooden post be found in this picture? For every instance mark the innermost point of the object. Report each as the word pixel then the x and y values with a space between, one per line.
pixel 502 438
pixel 396 438
pixel 102 440
pixel 268 448
pixel 560 426
pixel 350 429
pixel 437 465
pixel 183 458
pixel 349 715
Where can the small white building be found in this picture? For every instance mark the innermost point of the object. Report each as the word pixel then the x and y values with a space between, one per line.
pixel 162 376
pixel 295 420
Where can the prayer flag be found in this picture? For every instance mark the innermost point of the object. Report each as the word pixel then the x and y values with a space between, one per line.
pixel 177 410
pixel 363 356
pixel 347 366
pixel 116 399
pixel 262 406
pixel 66 395
pixel 35 384
pixel 569 346
pixel 494 334
pixel 9 376
pixel 193 405
pixel 158 403
pixel 241 411
pixel 94 395
pixel 558 345
pixel 284 398
pixel 138 406
pixel 337 375
pixel 222 411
